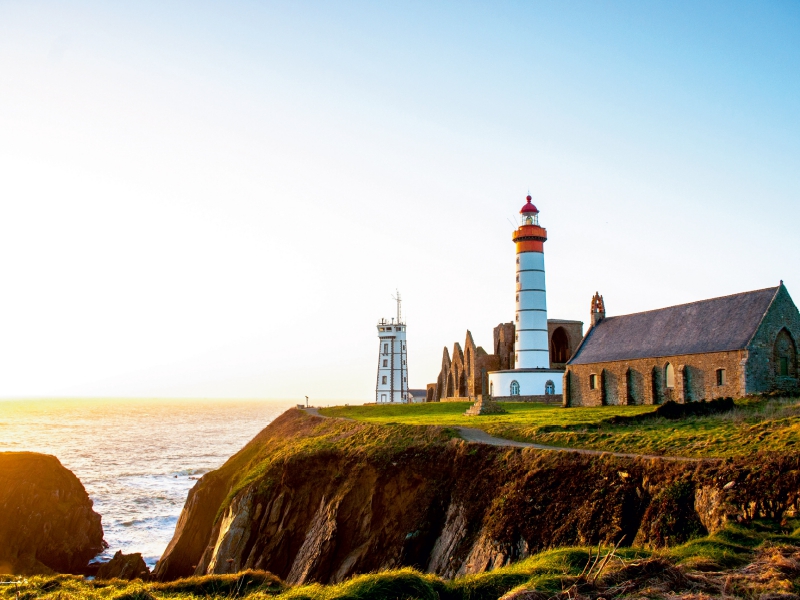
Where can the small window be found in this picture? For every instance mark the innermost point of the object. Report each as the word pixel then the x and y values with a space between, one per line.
pixel 383 397
pixel 404 363
pixel 404 379
pixel 386 348
pixel 517 297
pixel 516 357
pixel 517 278
pixel 593 381
pixel 669 375
pixel 397 329
pixel 515 388
pixel 549 388
pixel 720 376
pixel 518 260
pixel 383 380
pixel 516 337
pixel 517 317
pixel 385 363
pixel 784 366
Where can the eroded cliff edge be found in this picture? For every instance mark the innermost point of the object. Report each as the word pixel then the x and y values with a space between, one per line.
pixel 313 499
pixel 46 518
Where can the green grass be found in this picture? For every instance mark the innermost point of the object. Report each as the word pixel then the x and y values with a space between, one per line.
pixel 547 572
pixel 771 425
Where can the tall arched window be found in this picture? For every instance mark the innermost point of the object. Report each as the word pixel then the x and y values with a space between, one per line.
pixel 785 355
pixel 559 346
pixel 669 376
pixel 549 388
pixel 515 388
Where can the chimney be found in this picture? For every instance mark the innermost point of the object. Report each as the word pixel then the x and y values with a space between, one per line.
pixel 598 309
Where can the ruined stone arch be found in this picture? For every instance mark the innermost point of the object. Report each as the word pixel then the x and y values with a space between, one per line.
pixel 656 386
pixel 784 354
pixel 630 386
pixel 686 383
pixel 559 346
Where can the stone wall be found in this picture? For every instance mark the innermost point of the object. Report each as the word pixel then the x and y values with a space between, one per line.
pixel 643 381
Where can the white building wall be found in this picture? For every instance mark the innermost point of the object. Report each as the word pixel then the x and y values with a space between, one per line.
pixel 531 348
pixel 530 383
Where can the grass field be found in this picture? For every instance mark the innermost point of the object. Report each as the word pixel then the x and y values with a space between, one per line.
pixel 754 425
pixel 550 572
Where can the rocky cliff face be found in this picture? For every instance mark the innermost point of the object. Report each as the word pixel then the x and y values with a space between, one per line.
pixel 322 512
pixel 46 517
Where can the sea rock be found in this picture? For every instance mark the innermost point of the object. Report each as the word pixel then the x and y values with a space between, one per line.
pixel 46 519
pixel 124 566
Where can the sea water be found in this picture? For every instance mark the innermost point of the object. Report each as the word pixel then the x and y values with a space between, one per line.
pixel 137 459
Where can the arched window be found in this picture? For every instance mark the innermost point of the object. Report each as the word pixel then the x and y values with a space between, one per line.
pixel 549 388
pixel 669 376
pixel 515 388
pixel 785 355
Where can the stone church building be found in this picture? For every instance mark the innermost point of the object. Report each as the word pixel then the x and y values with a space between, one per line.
pixel 730 346
pixel 463 373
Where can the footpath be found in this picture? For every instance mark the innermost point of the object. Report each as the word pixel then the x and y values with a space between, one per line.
pixel 472 435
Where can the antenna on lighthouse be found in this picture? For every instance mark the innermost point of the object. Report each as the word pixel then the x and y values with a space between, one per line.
pixel 399 308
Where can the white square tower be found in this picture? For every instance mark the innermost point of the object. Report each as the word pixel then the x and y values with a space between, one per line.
pixel 392 384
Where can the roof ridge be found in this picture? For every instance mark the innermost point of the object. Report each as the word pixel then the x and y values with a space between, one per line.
pixel 643 312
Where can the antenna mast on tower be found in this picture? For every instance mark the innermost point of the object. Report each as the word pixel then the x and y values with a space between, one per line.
pixel 399 308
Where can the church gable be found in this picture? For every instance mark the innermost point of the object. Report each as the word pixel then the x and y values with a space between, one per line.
pixel 715 325
pixel 773 358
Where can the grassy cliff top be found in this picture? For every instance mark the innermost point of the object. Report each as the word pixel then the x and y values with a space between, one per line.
pixel 754 424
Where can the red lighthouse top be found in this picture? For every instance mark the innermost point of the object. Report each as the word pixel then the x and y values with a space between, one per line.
pixel 529 207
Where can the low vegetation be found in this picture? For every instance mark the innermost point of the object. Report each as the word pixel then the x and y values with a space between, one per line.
pixel 769 424
pixel 743 561
pixel 310 436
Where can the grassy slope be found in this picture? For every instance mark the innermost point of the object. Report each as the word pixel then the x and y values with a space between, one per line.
pixel 549 572
pixel 755 425
pixel 311 436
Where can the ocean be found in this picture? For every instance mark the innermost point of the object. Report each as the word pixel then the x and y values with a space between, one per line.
pixel 137 459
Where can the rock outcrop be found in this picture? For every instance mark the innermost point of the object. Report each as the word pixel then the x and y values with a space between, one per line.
pixel 307 511
pixel 124 566
pixel 46 519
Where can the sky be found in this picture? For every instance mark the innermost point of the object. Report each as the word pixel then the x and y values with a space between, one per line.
pixel 219 200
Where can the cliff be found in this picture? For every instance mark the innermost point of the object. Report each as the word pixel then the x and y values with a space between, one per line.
pixel 313 499
pixel 46 518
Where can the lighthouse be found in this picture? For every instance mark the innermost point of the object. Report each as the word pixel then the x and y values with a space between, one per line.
pixel 532 378
pixel 530 343
pixel 392 384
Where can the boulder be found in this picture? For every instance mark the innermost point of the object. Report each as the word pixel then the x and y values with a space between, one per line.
pixel 46 519
pixel 124 566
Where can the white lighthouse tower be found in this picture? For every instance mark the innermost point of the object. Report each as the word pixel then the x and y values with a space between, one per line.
pixel 392 385
pixel 532 375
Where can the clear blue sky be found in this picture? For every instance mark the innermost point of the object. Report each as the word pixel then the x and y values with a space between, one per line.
pixel 217 199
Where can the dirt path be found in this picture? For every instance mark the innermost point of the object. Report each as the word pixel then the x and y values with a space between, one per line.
pixel 472 435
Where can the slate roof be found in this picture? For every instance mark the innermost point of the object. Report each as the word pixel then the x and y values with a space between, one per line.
pixel 715 325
